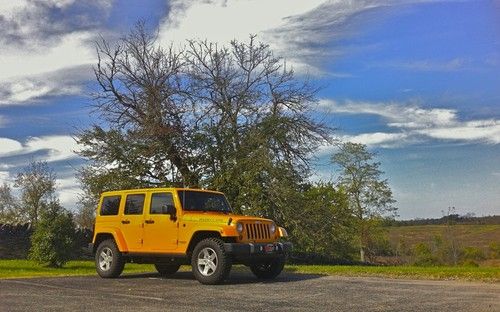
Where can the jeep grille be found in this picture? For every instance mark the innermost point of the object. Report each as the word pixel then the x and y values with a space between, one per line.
pixel 257 231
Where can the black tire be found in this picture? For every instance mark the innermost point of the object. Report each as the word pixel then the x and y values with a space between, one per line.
pixel 109 262
pixel 215 264
pixel 167 269
pixel 268 269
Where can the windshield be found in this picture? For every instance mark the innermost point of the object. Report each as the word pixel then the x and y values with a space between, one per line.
pixel 203 201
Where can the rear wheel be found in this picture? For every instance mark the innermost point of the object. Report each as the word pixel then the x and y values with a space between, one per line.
pixel 268 269
pixel 108 259
pixel 210 263
pixel 166 269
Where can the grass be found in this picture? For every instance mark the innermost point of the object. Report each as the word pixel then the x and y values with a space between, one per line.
pixel 25 268
pixel 484 274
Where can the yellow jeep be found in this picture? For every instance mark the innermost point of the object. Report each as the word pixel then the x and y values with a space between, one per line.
pixel 173 226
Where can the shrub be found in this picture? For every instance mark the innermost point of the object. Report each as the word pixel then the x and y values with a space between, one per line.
pixel 470 263
pixel 424 256
pixel 494 250
pixel 472 253
pixel 53 239
pixel 378 244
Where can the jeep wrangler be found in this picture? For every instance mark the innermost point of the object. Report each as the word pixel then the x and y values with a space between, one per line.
pixel 169 227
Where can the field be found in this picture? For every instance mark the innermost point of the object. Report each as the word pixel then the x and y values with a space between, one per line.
pixel 474 235
pixel 25 268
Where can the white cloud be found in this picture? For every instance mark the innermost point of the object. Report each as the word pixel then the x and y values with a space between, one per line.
pixel 56 148
pixel 378 138
pixel 41 38
pixel 413 123
pixel 9 146
pixel 223 21
pixel 398 115
pixel 4 176
pixel 26 90
pixel 29 90
pixel 478 130
pixel 68 189
pixel 59 147
pixel 73 50
pixel 302 31
pixel 8 7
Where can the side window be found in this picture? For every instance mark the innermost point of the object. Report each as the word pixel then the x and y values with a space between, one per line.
pixel 134 204
pixel 110 205
pixel 160 202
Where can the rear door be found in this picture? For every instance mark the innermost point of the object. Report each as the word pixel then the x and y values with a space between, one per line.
pixel 132 221
pixel 109 207
pixel 160 229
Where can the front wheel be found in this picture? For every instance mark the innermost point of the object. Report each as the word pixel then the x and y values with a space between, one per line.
pixel 210 263
pixel 108 259
pixel 268 269
pixel 166 269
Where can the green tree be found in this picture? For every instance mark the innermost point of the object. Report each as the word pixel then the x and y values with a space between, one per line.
pixel 37 183
pixel 85 216
pixel 232 118
pixel 370 196
pixel 52 242
pixel 324 224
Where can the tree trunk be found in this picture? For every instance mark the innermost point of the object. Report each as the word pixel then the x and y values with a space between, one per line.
pixel 362 254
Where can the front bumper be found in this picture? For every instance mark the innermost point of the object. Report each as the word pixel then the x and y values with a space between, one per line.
pixel 244 250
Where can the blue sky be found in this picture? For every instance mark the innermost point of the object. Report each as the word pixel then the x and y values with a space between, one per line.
pixel 417 81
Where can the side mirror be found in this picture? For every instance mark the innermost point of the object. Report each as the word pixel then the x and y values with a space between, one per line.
pixel 171 211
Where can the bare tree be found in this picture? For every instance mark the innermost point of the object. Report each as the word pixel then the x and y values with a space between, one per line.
pixel 453 246
pixel 228 117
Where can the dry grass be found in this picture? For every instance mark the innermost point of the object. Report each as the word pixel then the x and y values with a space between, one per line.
pixel 480 236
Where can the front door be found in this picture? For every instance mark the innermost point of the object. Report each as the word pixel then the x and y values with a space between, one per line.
pixel 132 221
pixel 160 229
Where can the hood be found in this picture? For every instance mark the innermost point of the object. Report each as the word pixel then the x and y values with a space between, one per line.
pixel 220 217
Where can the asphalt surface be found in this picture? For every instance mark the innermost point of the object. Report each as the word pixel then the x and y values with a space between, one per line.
pixel 242 292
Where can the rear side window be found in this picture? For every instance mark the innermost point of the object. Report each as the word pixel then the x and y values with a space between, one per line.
pixel 134 204
pixel 160 202
pixel 110 205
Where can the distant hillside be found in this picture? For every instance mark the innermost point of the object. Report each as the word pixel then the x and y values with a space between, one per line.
pixel 467 219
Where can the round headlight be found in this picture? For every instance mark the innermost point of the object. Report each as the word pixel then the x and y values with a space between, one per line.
pixel 272 228
pixel 239 227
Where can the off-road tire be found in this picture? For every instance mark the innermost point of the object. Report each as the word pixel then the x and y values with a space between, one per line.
pixel 167 269
pixel 211 269
pixel 268 269
pixel 109 261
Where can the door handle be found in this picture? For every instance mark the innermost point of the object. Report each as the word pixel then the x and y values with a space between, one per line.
pixel 125 221
pixel 149 221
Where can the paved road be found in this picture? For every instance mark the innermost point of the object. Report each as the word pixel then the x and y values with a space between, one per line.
pixel 290 292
